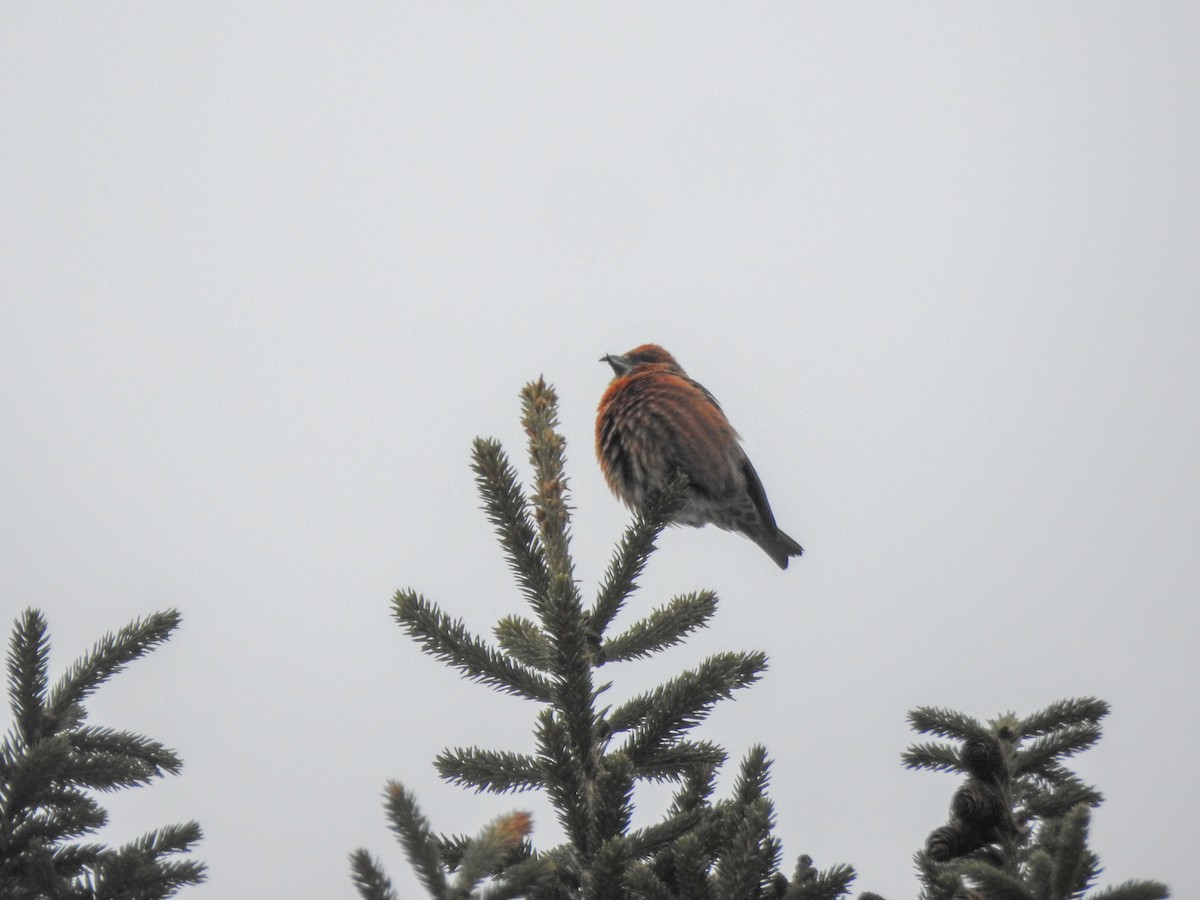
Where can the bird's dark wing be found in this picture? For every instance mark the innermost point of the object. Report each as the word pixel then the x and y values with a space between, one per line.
pixel 755 489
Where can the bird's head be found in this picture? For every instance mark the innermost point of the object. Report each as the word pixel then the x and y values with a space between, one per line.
pixel 639 357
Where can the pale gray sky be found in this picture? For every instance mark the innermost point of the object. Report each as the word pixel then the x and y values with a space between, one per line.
pixel 268 269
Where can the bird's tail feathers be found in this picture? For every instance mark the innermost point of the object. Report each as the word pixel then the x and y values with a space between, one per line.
pixel 780 547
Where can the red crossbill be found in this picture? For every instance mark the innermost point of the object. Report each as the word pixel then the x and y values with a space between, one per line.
pixel 654 421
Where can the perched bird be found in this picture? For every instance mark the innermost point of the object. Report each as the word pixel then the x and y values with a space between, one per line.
pixel 653 421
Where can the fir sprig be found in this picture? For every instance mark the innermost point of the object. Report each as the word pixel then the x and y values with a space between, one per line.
pixel 447 639
pixel 526 642
pixel 936 756
pixel 108 657
pixel 662 628
pixel 368 876
pixel 508 510
pixel 489 770
pixel 680 704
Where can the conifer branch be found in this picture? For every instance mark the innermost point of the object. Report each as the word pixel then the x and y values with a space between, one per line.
pixel 564 779
pixel 1057 792
pixel 698 785
pixel 369 878
pixel 645 841
pixel 546 446
pixel 1039 870
pixel 677 760
pixel 572 656
pixel 1074 711
pixel 605 872
pixel 664 627
pixel 573 698
pixel 1133 890
pixel 936 756
pixel 643 882
pixel 521 868
pixel 751 856
pixel 945 723
pixel 629 714
pixel 420 846
pixel 612 807
pixel 28 663
pixel 452 848
pixel 1072 865
pixel 809 883
pixel 36 774
pixel 754 776
pixel 748 856
pixel 525 878
pixel 140 869
pixel 508 510
pixel 995 883
pixel 110 655
pixel 1052 804
pixel 684 702
pixel 115 759
pixel 526 642
pixel 484 854
pixel 687 863
pixel 1050 746
pixel 489 770
pixel 61 815
pixel 632 553
pixel 448 640
pixel 1055 774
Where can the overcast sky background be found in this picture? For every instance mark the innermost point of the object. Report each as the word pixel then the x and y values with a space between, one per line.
pixel 268 269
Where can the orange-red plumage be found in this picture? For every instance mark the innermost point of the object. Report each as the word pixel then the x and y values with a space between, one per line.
pixel 653 421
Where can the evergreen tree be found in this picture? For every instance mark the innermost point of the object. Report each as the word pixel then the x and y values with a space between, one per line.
pixel 1018 824
pixel 590 756
pixel 51 762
